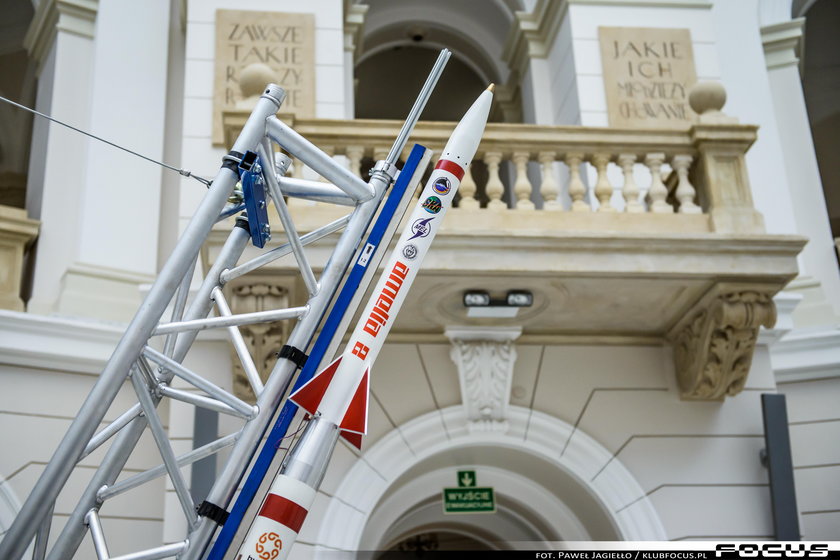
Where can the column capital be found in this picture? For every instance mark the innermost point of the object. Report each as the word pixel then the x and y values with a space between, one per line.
pixel 533 33
pixel 354 23
pixel 781 43
pixel 77 17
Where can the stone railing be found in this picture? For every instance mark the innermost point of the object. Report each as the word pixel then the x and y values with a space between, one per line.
pixel 698 170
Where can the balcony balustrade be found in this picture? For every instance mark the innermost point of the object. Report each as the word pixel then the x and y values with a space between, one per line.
pixel 624 236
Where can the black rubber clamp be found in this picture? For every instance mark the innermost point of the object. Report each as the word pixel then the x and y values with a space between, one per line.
pixel 212 512
pixel 293 354
pixel 232 161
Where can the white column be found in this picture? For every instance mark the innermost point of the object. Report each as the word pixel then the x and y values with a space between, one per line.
pixel 354 21
pixel 60 40
pixel 99 207
pixel 819 278
pixel 118 235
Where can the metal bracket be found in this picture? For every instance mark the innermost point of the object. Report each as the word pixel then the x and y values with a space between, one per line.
pixel 385 168
pixel 254 191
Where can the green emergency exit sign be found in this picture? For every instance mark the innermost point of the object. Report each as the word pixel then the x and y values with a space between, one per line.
pixel 468 498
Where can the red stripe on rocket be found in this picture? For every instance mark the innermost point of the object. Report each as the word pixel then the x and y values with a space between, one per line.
pixel 339 393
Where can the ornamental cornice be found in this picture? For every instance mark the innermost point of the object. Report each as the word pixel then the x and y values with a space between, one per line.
pixel 71 16
pixel 781 42
pixel 714 342
pixel 533 33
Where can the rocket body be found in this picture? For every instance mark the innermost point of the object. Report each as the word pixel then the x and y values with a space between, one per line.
pixel 337 397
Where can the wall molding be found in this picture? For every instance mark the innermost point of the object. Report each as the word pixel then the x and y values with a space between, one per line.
pixel 54 343
pixel 807 355
pixel 77 17
pixel 533 34
pixel 781 43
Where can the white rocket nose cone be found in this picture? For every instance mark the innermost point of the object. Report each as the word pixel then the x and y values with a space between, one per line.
pixel 467 135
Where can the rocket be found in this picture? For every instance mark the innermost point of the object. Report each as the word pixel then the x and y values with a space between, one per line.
pixel 337 397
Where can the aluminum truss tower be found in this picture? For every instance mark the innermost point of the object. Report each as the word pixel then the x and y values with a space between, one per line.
pixel 152 350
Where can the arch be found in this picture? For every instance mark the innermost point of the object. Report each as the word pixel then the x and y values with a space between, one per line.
pixel 579 493
pixel 396 33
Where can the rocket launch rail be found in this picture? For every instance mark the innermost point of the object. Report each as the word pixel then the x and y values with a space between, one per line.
pixel 153 349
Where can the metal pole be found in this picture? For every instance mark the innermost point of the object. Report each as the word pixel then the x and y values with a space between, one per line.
pixel 73 532
pixel 73 444
pixel 422 98
pixel 384 171
pixel 281 375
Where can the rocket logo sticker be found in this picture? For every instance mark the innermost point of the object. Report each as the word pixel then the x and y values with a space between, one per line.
pixel 442 186
pixel 421 228
pixel 410 251
pixel 269 546
pixel 432 205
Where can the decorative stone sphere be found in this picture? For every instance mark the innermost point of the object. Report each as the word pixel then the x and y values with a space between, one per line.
pixel 253 79
pixel 707 96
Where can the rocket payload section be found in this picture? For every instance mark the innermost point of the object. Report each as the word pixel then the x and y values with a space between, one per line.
pixel 337 397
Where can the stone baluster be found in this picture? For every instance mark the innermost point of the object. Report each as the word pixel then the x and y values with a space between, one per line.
pixel 603 189
pixel 522 187
pixel 380 153
pixel 549 189
pixel 297 168
pixel 685 190
pixel 354 159
pixel 467 190
pixel 658 192
pixel 576 189
pixel 330 151
pixel 630 191
pixel 495 188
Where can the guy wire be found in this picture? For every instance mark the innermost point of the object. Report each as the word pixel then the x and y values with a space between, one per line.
pixel 184 172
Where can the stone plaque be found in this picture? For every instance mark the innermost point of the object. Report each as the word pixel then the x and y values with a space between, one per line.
pixel 283 42
pixel 647 75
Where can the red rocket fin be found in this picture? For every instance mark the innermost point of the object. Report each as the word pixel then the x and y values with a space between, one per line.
pixel 353 439
pixel 309 396
pixel 355 419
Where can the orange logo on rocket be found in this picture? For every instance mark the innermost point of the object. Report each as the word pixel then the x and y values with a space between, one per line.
pixel 268 546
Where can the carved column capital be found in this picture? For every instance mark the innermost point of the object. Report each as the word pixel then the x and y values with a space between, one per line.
pixel 714 343
pixel 263 339
pixel 485 358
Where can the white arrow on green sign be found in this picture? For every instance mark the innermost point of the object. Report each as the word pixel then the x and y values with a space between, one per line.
pixel 466 478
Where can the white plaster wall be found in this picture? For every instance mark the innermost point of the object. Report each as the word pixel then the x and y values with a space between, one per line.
pixel 814 420
pixel 625 397
pixel 197 151
pixel 42 393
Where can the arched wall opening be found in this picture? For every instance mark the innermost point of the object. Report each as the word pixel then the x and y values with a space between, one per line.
pixel 544 492
pixel 401 41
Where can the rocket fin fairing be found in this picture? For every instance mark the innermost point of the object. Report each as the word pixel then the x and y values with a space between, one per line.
pixel 310 395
